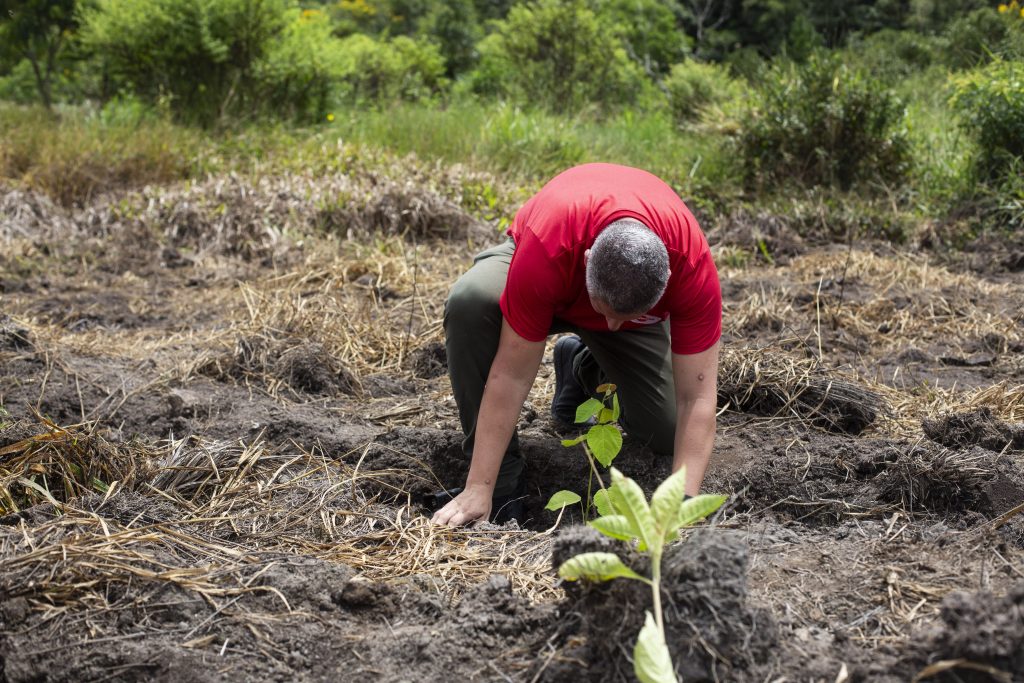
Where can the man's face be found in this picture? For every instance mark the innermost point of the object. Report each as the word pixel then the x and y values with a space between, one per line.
pixel 615 320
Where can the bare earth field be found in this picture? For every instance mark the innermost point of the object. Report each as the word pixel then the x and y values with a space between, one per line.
pixel 224 402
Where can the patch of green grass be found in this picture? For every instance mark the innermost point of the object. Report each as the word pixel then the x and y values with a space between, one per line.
pixel 534 145
pixel 941 151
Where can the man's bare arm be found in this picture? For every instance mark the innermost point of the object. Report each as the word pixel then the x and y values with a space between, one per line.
pixel 508 384
pixel 696 382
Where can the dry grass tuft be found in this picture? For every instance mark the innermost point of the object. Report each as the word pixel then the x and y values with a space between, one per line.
pixel 47 463
pixel 293 364
pixel 215 513
pixel 30 215
pixel 938 479
pixel 768 381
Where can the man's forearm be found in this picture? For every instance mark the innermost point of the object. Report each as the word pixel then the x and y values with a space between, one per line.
pixel 695 437
pixel 502 402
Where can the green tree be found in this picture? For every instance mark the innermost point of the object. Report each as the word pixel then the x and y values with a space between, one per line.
pixel 37 30
pixel 649 30
pixel 455 28
pixel 822 123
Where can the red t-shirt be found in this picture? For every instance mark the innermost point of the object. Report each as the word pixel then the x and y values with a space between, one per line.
pixel 546 279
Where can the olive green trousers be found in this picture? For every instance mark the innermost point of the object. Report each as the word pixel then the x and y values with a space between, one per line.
pixel 637 361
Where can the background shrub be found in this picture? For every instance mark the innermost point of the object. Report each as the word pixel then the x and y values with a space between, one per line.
pixel 692 86
pixel 822 123
pixel 560 55
pixel 893 55
pixel 990 101
pixel 300 68
pixel 374 71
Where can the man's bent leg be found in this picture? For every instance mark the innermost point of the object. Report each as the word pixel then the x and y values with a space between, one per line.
pixel 639 363
pixel 472 327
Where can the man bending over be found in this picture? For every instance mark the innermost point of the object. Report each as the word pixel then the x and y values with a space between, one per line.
pixel 613 255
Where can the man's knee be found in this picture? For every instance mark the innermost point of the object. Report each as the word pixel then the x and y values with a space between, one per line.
pixel 658 435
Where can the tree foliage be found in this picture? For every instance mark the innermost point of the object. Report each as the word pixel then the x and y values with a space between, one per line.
pixel 200 56
pixel 36 31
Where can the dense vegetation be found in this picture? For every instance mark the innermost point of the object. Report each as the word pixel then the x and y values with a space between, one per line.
pixel 890 109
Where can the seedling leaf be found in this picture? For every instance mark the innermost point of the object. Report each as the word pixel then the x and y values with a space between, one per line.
pixel 588 409
pixel 699 507
pixel 605 416
pixel 651 660
pixel 605 442
pixel 596 567
pixel 562 498
pixel 615 526
pixel 572 442
pixel 603 503
pixel 616 411
pixel 606 388
pixel 628 498
pixel 666 501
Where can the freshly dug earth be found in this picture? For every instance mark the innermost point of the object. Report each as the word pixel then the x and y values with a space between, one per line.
pixel 218 426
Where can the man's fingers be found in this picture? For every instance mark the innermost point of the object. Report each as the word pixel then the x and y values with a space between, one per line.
pixel 453 515
pixel 449 515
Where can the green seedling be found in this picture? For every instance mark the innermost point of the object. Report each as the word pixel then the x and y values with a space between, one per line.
pixel 651 527
pixel 601 443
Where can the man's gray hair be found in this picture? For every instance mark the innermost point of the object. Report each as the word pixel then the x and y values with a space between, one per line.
pixel 627 267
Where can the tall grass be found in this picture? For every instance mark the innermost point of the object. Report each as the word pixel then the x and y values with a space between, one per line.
pixel 532 145
pixel 941 151
pixel 78 153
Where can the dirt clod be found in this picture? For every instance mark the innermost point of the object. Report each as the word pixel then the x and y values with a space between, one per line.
pixel 979 426
pixel 13 336
pixel 430 361
pixel 980 639
pixel 308 367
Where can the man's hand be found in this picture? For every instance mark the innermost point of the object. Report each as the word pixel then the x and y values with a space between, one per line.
pixel 472 504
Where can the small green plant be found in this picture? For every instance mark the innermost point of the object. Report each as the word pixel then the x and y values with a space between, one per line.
pixel 627 516
pixel 602 442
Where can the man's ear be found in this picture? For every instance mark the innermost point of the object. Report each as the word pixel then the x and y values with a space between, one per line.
pixel 586 256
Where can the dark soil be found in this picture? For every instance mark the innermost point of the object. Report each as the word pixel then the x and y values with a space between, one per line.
pixel 864 533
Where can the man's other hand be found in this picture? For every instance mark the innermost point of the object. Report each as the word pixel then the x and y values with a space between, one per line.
pixel 472 504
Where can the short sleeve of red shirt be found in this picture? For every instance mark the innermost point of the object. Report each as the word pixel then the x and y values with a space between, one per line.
pixel 696 309
pixel 531 291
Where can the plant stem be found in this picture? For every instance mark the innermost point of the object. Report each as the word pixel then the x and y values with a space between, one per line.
pixel 656 592
pixel 593 467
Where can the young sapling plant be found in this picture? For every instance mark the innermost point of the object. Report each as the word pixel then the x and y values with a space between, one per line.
pixel 601 443
pixel 629 517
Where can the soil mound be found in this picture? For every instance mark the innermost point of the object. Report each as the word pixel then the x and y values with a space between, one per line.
pixel 308 367
pixel 712 630
pixel 979 426
pixel 303 366
pixel 980 639
pixel 829 477
pixel 429 361
pixel 13 337
pixel 770 382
